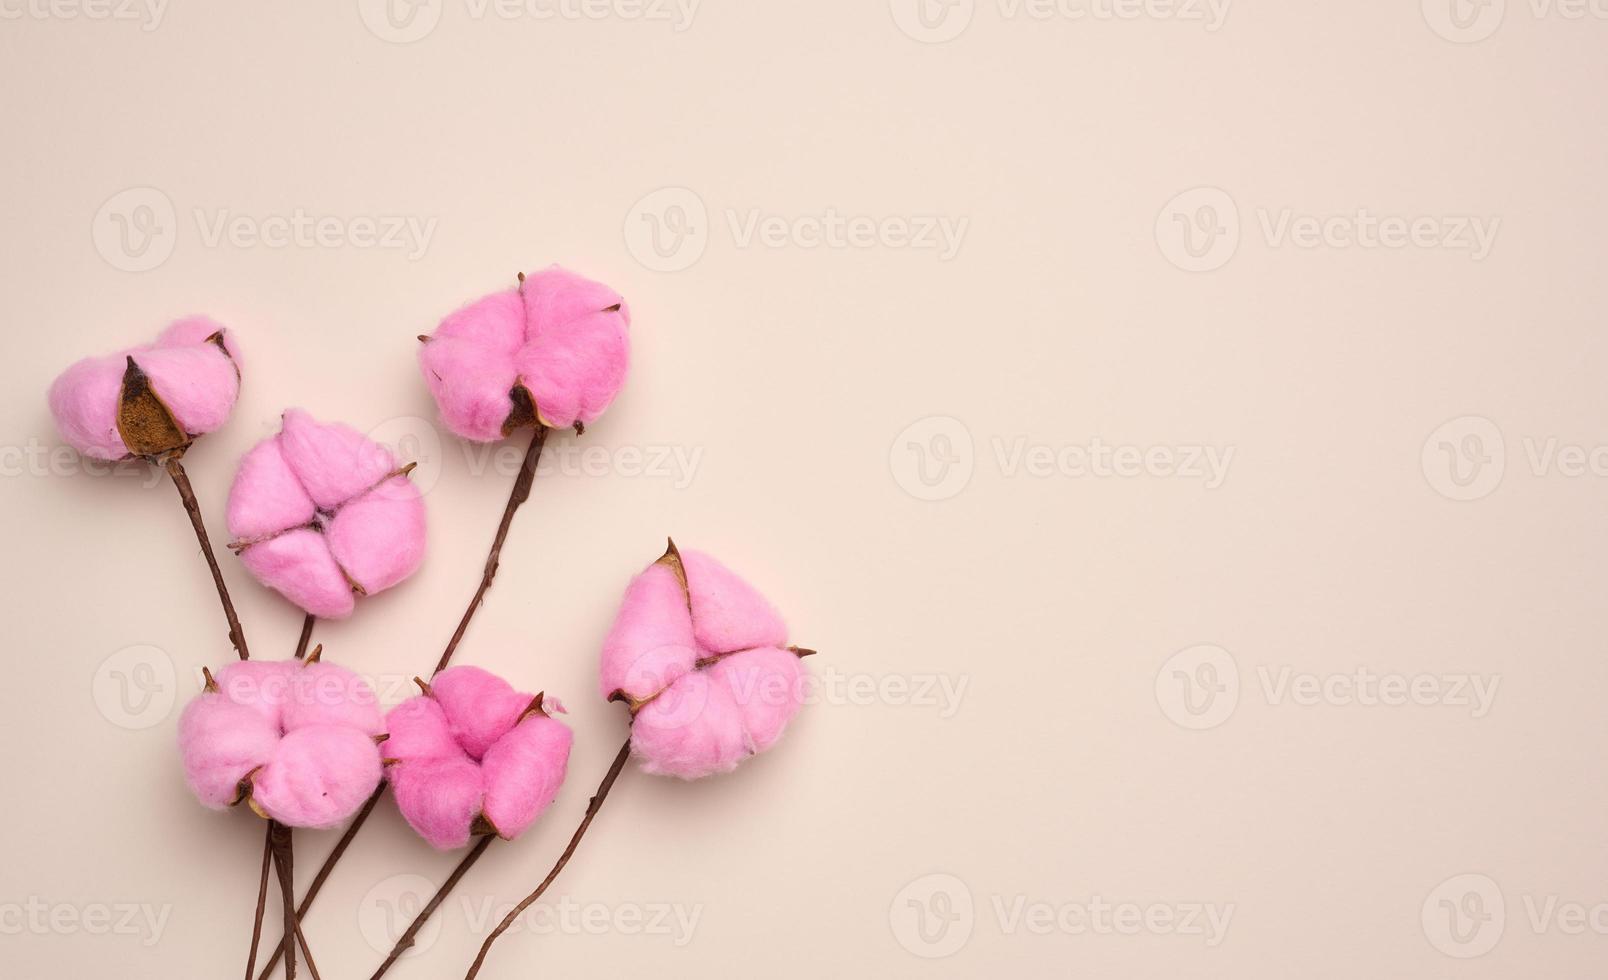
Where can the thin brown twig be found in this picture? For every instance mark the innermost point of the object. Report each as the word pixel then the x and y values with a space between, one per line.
pixel 592 807
pixel 262 902
pixel 306 635
pixel 518 495
pixel 279 834
pixel 323 875
pixel 406 942
pixel 181 480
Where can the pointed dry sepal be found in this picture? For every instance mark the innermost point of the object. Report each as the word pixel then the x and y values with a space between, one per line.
pixel 211 684
pixel 534 708
pixel 144 421
pixel 315 656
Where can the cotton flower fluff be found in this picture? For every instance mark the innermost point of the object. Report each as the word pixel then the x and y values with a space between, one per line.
pixel 474 756
pixel 701 658
pixel 294 740
pixel 323 514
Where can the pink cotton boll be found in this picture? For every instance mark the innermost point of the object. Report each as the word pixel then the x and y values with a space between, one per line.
pixel 152 399
pixel 480 706
pixel 220 743
pixel 329 694
pixel 651 643
pixel 419 730
pixel 294 738
pixel 439 798
pixel 319 776
pixel 298 565
pixel 699 656
pixel 473 756
pixel 555 351
pixel 320 513
pixel 378 538
pixel 727 613
pixel 523 772
pixel 691 730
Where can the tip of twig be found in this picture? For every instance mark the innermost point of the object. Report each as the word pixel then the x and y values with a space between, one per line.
pixel 802 652
pixel 521 276
pixel 423 686
pixel 580 427
pixel 316 655
pixel 381 738
pixel 404 471
pixel 211 685
pixel 424 338
pixel 612 309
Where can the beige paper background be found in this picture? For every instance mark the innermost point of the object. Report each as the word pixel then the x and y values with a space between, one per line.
pixel 1334 834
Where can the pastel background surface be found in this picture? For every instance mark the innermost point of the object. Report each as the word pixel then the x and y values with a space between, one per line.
pixel 999 700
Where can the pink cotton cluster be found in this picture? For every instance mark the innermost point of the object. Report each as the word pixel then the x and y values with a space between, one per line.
pixel 293 739
pixel 700 656
pixel 150 399
pixel 553 351
pixel 322 514
pixel 473 756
